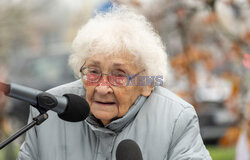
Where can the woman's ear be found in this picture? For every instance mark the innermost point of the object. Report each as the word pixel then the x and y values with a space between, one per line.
pixel 146 90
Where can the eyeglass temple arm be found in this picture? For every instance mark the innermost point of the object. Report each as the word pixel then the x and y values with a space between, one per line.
pixel 130 78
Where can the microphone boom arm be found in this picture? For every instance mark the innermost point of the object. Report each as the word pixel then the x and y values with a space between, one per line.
pixel 36 121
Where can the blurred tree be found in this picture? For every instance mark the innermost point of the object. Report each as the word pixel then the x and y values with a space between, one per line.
pixel 34 27
pixel 14 28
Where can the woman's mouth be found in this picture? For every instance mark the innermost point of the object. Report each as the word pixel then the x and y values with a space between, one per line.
pixel 105 103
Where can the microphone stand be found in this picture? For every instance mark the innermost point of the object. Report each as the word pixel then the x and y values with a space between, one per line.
pixel 36 121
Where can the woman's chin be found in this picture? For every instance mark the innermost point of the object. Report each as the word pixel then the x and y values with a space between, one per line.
pixel 104 116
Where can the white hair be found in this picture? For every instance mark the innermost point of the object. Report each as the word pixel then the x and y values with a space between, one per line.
pixel 120 30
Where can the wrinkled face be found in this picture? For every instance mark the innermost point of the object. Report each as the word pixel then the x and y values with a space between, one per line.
pixel 108 102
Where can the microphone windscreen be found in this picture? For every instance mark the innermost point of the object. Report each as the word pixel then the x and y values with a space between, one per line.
pixel 128 150
pixel 77 109
pixel 5 88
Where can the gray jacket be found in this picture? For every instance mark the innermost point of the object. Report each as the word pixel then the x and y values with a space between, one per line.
pixel 164 126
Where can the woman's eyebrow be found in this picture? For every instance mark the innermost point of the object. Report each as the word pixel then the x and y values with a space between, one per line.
pixel 118 64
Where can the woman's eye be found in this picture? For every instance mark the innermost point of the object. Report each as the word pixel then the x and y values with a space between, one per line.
pixel 119 73
pixel 94 71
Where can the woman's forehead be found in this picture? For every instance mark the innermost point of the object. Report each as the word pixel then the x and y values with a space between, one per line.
pixel 111 59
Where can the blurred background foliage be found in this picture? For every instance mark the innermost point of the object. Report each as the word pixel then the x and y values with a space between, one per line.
pixel 208 44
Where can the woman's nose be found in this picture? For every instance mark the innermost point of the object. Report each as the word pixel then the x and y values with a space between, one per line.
pixel 103 86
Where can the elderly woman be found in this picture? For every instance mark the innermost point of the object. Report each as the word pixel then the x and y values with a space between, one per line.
pixel 122 64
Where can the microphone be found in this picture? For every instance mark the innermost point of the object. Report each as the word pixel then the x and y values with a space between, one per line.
pixel 128 150
pixel 69 107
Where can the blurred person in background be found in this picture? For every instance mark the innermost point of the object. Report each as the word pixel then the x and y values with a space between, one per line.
pixel 112 52
pixel 238 135
pixel 9 152
pixel 3 102
pixel 243 143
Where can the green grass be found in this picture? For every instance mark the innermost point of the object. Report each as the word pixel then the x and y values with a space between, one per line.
pixel 9 153
pixel 221 153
